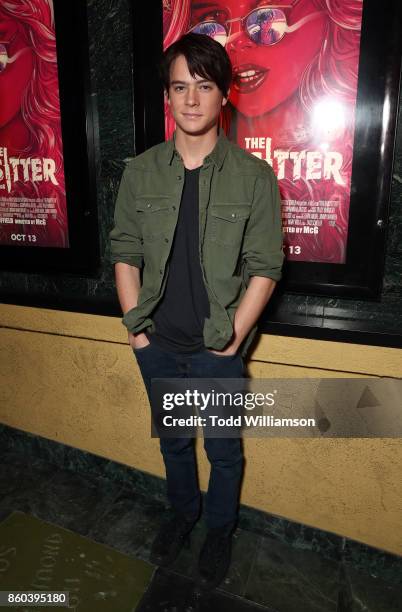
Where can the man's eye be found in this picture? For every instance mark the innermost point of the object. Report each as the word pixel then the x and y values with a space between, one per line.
pixel 206 87
pixel 178 88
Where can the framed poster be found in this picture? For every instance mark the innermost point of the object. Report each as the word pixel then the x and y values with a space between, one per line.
pixel 314 93
pixel 47 172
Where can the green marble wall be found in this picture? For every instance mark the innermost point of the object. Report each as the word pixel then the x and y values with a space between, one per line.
pixel 111 85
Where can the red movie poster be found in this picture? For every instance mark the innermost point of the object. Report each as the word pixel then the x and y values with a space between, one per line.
pixel 32 190
pixel 292 103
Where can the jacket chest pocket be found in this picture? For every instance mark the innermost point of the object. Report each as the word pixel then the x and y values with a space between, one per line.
pixel 153 215
pixel 227 223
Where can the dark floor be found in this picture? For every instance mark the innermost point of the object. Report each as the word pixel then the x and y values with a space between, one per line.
pixel 265 574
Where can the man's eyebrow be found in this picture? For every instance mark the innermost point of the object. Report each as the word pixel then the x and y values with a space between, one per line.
pixel 187 82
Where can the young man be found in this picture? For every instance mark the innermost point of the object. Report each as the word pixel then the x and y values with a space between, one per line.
pixel 200 218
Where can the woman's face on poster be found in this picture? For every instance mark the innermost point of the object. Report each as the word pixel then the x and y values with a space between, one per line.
pixel 16 68
pixel 269 56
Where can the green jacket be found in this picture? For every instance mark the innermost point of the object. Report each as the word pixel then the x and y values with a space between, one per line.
pixel 240 231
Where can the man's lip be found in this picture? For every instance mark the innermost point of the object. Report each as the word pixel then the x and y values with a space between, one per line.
pixel 191 115
pixel 248 77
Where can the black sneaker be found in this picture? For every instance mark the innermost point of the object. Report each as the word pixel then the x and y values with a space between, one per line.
pixel 171 538
pixel 214 560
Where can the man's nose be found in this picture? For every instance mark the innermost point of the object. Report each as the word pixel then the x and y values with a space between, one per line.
pixel 192 98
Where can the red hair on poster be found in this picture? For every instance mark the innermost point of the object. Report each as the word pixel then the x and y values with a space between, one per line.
pixel 32 187
pixel 292 103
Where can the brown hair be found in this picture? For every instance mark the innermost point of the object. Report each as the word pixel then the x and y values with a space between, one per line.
pixel 205 57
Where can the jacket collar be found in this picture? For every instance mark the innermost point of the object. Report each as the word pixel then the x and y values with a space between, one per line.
pixel 217 155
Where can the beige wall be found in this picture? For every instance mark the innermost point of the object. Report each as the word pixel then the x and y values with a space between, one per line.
pixel 72 378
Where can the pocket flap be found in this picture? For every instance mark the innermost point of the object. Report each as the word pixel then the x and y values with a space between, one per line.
pixel 150 205
pixel 231 212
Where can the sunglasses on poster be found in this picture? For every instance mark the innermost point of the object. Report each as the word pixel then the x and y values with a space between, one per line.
pixel 265 25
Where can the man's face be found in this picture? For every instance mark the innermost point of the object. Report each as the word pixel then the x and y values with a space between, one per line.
pixel 195 102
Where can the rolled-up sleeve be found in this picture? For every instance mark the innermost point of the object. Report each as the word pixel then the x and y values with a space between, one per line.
pixel 263 240
pixel 126 238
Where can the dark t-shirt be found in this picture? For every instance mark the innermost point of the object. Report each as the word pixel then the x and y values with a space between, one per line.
pixel 179 316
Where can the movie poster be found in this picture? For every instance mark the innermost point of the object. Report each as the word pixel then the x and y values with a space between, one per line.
pixel 292 103
pixel 33 208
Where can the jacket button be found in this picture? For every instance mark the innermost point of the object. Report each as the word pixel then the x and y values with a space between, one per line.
pixel 173 207
pixel 160 271
pixel 179 178
pixel 233 215
pixel 166 239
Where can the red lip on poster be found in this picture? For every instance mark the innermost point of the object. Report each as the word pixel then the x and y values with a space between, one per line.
pixel 292 104
pixel 33 210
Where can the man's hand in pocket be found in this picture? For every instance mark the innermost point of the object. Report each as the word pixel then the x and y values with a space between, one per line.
pixel 138 341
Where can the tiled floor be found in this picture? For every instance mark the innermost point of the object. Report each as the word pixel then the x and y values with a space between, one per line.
pixel 265 574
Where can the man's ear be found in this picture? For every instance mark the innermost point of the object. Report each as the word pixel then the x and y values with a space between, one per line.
pixel 225 99
pixel 166 96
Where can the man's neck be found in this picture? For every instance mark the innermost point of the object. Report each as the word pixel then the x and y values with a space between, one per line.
pixel 194 148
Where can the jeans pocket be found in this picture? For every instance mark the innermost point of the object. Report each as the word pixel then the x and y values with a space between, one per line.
pixel 141 349
pixel 221 356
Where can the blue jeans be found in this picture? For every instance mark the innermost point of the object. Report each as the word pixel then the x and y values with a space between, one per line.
pixel 225 455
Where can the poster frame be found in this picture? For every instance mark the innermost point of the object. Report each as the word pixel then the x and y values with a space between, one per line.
pixel 361 276
pixel 79 134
